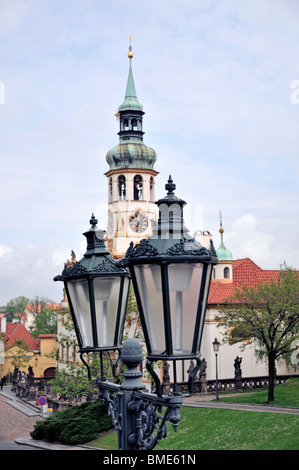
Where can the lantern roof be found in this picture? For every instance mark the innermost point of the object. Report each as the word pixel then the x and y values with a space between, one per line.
pixel 170 237
pixel 96 259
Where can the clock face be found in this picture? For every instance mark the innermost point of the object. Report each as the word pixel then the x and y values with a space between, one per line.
pixel 138 222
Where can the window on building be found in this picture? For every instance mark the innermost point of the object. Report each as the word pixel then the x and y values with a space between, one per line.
pixel 152 189
pixel 121 188
pixel 226 273
pixel 110 189
pixel 138 188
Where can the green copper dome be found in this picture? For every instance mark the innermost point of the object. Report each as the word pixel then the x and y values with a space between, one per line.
pixel 131 155
pixel 223 254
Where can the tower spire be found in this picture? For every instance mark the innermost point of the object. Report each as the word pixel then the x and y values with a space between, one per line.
pixel 223 253
pixel 131 102
pixel 131 151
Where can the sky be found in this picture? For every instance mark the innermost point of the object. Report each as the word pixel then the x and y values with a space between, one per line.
pixel 219 84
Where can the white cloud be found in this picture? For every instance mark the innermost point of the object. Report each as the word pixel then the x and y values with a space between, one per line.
pixel 4 249
pixel 246 240
pixel 29 271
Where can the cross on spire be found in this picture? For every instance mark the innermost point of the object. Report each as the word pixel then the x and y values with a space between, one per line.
pixel 130 53
pixel 220 217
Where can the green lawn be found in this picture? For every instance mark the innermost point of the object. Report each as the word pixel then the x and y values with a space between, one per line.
pixel 222 429
pixel 286 394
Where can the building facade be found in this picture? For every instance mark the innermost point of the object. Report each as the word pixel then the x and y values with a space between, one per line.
pixel 228 276
pixel 39 353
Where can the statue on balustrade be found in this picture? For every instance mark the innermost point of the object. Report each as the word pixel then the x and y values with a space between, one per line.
pixel 237 366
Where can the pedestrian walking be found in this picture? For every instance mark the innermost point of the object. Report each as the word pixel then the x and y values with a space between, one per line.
pixel 3 382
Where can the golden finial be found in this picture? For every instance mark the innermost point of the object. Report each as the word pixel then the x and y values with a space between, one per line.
pixel 130 53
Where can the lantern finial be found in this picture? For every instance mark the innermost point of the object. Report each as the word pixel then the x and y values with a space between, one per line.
pixel 170 186
pixel 93 221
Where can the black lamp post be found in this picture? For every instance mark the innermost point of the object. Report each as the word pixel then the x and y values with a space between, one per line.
pixel 97 293
pixel 171 275
pixel 216 346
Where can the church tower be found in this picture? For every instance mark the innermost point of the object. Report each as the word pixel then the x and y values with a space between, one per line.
pixel 223 271
pixel 131 177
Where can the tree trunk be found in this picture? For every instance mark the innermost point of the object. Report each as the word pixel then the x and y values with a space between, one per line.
pixel 271 371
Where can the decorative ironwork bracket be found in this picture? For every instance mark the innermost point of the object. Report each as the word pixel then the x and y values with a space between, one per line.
pixel 139 417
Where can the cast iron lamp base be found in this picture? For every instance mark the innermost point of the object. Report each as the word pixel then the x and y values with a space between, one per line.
pixel 137 415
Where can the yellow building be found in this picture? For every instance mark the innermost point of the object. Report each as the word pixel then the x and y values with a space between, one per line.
pixel 39 353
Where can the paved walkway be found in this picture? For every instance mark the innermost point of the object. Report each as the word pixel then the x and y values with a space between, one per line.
pixel 17 419
pixel 13 423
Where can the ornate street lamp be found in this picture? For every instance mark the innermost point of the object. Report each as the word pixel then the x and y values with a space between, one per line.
pixel 97 292
pixel 216 346
pixel 171 274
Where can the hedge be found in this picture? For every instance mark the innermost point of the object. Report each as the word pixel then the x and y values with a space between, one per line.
pixel 76 425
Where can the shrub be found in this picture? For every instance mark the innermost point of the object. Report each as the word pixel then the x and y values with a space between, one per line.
pixel 76 425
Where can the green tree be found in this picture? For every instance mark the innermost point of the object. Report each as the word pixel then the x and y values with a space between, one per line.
pixel 45 323
pixel 37 304
pixel 20 358
pixel 14 306
pixel 71 382
pixel 267 313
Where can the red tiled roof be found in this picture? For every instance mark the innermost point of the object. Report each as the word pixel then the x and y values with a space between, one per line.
pixel 30 307
pixel 15 331
pixel 219 292
pixel 249 274
pixel 245 274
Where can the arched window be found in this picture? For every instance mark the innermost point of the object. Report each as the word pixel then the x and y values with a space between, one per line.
pixel 138 188
pixel 121 188
pixel 152 189
pixel 110 190
pixel 226 273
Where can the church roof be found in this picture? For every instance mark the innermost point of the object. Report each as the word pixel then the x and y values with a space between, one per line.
pixel 223 254
pixel 245 274
pixel 249 274
pixel 131 155
pixel 131 152
pixel 131 102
